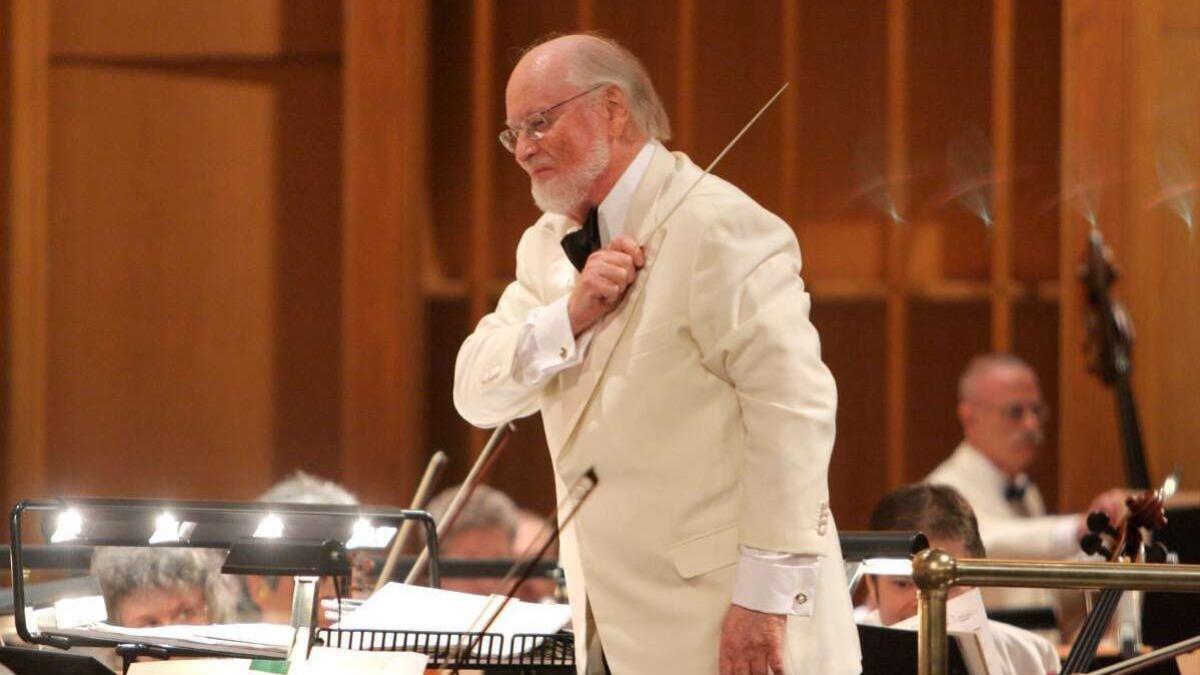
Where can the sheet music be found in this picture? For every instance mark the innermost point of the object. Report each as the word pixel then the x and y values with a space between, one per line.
pixel 418 608
pixel 245 639
pixel 324 661
pixel 965 615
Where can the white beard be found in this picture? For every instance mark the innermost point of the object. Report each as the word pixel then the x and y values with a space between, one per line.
pixel 565 192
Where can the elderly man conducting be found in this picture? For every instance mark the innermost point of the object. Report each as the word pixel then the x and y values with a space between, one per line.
pixel 675 355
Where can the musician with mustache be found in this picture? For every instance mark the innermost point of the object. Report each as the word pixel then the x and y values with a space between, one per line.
pixel 676 356
pixel 1003 417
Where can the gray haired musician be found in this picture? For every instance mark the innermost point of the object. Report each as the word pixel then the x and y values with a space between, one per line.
pixel 1003 416
pixel 676 356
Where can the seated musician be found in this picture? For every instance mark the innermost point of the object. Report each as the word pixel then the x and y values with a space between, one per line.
pixel 486 527
pixel 491 525
pixel 271 596
pixel 1003 417
pixel 147 587
pixel 946 518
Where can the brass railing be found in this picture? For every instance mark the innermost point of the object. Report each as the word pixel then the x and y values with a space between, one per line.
pixel 935 572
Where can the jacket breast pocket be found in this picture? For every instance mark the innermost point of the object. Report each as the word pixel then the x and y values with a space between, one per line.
pixel 706 553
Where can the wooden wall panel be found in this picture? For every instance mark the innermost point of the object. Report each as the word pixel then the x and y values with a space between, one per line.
pixel 1096 123
pixel 731 84
pixel 194 284
pixel 1130 104
pixel 838 194
pixel 659 49
pixel 1036 115
pixel 6 100
pixel 1035 339
pixel 191 237
pixel 25 471
pixel 1167 263
pixel 385 212
pixel 450 100
pixel 949 99
pixel 944 336
pixel 161 288
pixel 190 28
pixel 852 345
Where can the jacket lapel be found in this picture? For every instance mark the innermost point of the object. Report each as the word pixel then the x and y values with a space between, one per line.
pixel 579 384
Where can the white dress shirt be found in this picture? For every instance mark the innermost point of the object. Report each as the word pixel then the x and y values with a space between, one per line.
pixel 1009 650
pixel 767 581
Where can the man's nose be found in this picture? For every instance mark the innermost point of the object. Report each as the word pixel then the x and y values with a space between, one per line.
pixel 526 147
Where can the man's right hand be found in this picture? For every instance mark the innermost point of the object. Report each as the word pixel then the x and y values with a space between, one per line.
pixel 601 286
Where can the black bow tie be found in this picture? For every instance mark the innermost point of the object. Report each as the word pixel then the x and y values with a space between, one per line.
pixel 1015 492
pixel 583 242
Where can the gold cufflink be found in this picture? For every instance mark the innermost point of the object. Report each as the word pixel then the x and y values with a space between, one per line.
pixel 801 598
pixel 562 352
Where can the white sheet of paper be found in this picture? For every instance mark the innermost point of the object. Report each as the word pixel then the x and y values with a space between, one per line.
pixel 190 667
pixel 965 614
pixel 329 661
pixel 418 608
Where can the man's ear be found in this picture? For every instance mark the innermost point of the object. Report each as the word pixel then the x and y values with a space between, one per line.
pixel 872 591
pixel 966 413
pixel 616 108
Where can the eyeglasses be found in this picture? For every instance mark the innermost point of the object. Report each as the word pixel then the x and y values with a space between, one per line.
pixel 537 124
pixel 1015 412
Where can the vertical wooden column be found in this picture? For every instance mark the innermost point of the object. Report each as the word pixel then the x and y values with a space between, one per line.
pixel 385 208
pixel 897 241
pixel 1003 44
pixel 483 144
pixel 25 472
pixel 587 14
pixel 685 71
pixel 789 54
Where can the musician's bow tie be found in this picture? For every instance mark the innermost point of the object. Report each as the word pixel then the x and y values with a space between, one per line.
pixel 1014 491
pixel 583 242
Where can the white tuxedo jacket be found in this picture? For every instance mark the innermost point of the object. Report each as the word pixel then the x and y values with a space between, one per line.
pixel 707 413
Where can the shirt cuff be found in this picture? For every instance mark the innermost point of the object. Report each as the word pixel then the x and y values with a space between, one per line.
pixel 547 345
pixel 776 583
pixel 552 332
pixel 1067 532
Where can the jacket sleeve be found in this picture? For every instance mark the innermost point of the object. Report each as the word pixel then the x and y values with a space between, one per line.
pixel 749 315
pixel 487 391
pixel 1043 537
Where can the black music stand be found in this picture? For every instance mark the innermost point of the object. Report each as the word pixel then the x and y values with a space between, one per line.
pixel 25 661
pixel 889 651
pixel 317 528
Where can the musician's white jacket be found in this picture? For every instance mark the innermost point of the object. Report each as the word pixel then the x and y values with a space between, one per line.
pixel 707 413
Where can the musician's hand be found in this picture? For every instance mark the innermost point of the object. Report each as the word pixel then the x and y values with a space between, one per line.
pixel 608 272
pixel 1111 502
pixel 752 642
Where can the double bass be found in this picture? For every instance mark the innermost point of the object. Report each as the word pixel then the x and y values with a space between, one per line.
pixel 1110 349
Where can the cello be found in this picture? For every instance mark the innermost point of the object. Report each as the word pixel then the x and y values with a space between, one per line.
pixel 1126 545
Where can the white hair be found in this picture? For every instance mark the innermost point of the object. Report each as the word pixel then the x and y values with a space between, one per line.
pixel 123 570
pixel 599 59
pixel 304 488
pixel 487 508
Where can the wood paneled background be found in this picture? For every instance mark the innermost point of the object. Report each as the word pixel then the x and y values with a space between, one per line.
pixel 242 238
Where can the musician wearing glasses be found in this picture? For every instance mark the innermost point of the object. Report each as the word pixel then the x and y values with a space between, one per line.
pixel 1003 418
pixel 660 327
